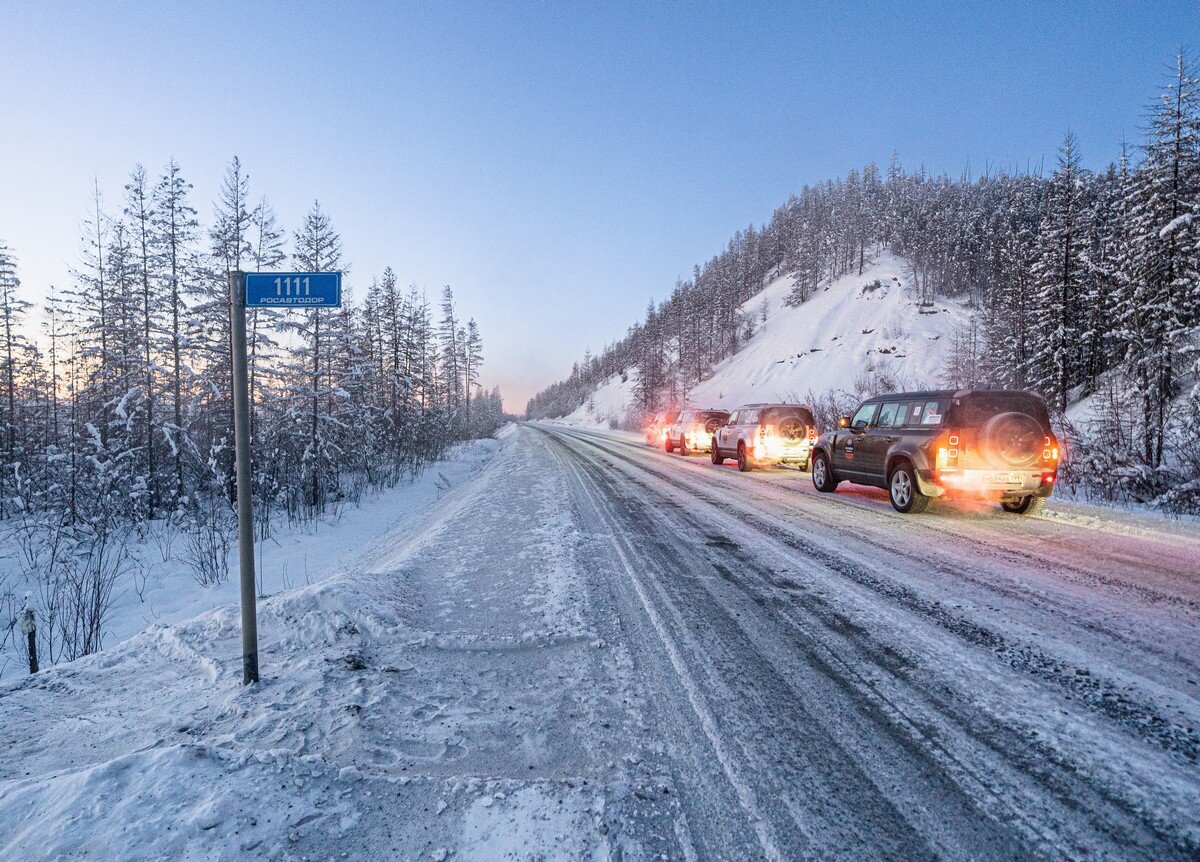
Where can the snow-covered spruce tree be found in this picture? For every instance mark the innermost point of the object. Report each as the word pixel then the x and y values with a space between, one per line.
pixel 1104 239
pixel 209 331
pixel 472 365
pixel 450 355
pixel 90 306
pixel 266 241
pixel 139 216
pixel 176 266
pixel 1059 280
pixel 99 306
pixel 14 311
pixel 1007 296
pixel 431 423
pixel 1160 264
pixel 267 253
pixel 126 409
pixel 316 248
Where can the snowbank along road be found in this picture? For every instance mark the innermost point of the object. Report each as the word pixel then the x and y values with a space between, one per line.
pixel 593 650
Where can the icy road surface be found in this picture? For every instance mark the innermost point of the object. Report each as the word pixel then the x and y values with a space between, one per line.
pixel 593 650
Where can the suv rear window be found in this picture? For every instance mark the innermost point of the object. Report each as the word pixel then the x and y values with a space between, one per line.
pixel 778 414
pixel 976 409
pixel 924 413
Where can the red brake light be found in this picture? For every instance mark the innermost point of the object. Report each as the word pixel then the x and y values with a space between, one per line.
pixel 947 452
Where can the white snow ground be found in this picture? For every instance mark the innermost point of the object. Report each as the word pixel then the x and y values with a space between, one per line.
pixel 825 344
pixel 431 694
pixel 593 650
pixel 160 589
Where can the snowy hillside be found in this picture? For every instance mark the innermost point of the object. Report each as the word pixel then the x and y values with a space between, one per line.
pixel 850 334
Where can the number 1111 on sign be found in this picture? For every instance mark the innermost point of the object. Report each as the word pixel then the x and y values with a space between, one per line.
pixel 293 289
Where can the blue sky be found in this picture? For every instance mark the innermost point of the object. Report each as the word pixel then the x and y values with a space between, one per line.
pixel 557 164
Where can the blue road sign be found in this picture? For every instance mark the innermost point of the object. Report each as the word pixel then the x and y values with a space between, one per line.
pixel 293 289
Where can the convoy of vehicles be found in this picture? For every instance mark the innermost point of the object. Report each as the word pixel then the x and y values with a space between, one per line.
pixel 656 428
pixel 984 444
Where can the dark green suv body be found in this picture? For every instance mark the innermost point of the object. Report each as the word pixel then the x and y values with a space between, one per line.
pixel 989 444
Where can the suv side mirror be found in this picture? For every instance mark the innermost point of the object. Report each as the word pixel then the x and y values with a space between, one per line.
pixel 844 422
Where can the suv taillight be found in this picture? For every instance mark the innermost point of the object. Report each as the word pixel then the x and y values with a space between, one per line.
pixel 1050 455
pixel 764 432
pixel 947 453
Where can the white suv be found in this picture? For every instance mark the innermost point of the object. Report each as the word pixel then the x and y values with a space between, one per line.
pixel 693 430
pixel 762 434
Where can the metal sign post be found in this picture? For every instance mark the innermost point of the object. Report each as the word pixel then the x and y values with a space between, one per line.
pixel 241 441
pixel 261 290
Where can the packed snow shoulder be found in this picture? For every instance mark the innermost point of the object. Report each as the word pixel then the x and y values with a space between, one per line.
pixel 437 695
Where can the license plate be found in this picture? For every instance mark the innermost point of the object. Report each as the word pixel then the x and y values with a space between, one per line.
pixel 1004 478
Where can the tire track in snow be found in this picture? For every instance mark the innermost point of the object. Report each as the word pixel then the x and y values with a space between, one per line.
pixel 1060 777
pixel 747 798
pixel 839 803
pixel 1098 694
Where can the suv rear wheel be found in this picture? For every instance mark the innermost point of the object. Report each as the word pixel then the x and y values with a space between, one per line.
pixel 668 446
pixel 743 458
pixel 903 490
pixel 822 474
pixel 717 457
pixel 1030 505
pixel 683 447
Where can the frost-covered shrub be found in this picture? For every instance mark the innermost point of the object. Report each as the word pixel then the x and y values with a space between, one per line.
pixel 876 378
pixel 209 540
pixel 827 406
pixel 1107 457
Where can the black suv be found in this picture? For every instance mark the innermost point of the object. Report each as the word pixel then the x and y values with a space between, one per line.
pixel 990 444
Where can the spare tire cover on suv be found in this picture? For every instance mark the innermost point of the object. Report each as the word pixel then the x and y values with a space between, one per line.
pixel 792 428
pixel 712 425
pixel 1012 438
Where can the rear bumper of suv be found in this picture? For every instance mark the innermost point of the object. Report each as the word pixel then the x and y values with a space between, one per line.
pixel 775 452
pixel 987 484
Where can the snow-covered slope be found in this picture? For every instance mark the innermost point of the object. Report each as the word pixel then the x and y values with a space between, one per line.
pixel 847 337
pixel 608 405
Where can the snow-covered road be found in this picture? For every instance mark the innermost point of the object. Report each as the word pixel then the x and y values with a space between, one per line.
pixel 593 650
pixel 836 680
